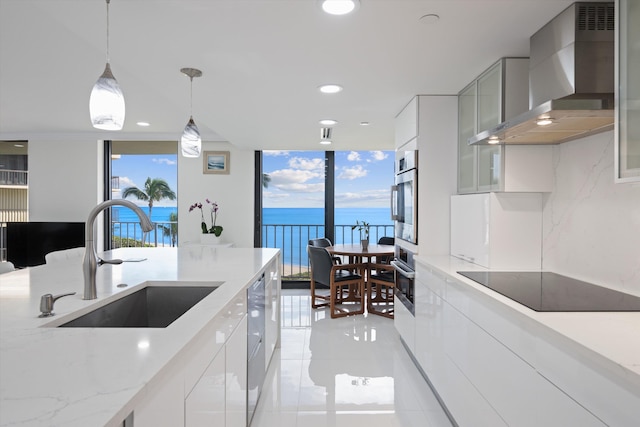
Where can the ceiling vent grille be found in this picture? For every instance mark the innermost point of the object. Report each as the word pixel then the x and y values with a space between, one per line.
pixel 596 17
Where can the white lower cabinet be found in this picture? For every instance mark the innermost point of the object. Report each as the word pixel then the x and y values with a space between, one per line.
pixel 163 405
pixel 482 380
pixel 207 385
pixel 219 397
pixel 434 329
pixel 205 405
pixel 236 377
pixel 405 323
pixel 272 310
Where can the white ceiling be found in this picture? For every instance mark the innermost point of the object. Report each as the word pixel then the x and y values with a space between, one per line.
pixel 262 61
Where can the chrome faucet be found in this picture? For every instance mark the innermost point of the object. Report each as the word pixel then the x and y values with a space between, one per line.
pixel 91 260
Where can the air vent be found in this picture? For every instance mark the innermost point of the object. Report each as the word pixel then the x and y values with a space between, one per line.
pixel 596 17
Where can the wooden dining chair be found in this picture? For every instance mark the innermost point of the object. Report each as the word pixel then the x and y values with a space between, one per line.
pixel 345 282
pixel 380 289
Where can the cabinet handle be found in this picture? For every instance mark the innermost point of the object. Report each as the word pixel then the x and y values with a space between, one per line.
pixel 394 206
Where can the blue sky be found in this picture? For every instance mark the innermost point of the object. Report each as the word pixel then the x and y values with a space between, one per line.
pixel 363 178
pixel 134 169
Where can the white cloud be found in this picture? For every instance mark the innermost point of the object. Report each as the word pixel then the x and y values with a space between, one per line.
pixel 296 180
pixel 307 164
pixel 302 188
pixel 275 153
pixel 126 182
pixel 287 176
pixel 375 198
pixel 377 156
pixel 353 173
pixel 167 162
pixel 353 156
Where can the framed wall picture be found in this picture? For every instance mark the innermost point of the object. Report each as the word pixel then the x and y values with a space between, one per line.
pixel 215 162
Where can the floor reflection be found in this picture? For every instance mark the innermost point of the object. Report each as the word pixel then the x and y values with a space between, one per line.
pixel 347 371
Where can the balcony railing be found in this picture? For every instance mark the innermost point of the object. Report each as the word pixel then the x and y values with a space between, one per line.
pixel 14 177
pixel 129 234
pixel 292 241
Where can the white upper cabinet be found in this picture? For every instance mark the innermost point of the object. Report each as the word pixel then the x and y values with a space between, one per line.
pixel 498 230
pixel 406 123
pixel 498 94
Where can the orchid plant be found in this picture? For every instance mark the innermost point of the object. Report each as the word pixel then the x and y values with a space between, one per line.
pixel 213 208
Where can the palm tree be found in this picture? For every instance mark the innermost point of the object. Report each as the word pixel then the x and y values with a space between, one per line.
pixel 266 179
pixel 172 228
pixel 154 190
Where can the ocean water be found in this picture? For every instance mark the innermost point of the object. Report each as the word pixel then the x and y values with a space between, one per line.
pixel 291 228
pixel 286 228
pixel 159 215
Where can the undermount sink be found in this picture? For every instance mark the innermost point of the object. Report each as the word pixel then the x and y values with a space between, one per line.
pixel 150 307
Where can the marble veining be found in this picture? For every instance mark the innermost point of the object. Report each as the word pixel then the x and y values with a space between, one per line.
pixel 96 377
pixel 590 224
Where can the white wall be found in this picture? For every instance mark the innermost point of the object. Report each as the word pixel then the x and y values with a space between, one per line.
pixel 233 193
pixel 65 179
pixel 65 183
pixel 591 226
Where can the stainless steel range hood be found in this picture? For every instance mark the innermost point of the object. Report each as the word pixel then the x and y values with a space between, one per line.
pixel 571 80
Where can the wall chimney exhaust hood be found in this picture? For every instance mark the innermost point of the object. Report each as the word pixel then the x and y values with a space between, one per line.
pixel 571 80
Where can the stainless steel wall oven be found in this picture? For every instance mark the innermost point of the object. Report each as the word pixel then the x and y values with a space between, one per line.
pixel 404 196
pixel 404 265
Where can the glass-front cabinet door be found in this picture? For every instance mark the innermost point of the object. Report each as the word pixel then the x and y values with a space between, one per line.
pixel 490 98
pixel 467 154
pixel 490 102
pixel 628 87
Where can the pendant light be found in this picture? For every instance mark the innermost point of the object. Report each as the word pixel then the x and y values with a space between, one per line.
pixel 106 104
pixel 190 143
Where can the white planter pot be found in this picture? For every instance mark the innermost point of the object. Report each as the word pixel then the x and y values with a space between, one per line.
pixel 210 239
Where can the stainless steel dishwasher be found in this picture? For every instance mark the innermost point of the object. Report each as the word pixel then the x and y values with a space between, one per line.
pixel 255 344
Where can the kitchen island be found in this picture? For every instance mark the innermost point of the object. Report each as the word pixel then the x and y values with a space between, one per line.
pixel 495 362
pixel 53 376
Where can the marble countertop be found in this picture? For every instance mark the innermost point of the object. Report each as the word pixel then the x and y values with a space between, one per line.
pixel 95 376
pixel 609 339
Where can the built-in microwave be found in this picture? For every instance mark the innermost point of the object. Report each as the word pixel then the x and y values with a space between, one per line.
pixel 404 196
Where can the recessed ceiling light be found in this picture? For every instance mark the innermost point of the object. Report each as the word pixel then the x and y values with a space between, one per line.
pixel 325 141
pixel 328 122
pixel 493 140
pixel 143 124
pixel 18 145
pixel 330 88
pixel 364 123
pixel 339 7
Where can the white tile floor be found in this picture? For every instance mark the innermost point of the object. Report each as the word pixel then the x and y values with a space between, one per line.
pixel 351 371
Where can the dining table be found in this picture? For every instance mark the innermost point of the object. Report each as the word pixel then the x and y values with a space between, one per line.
pixel 356 253
pixel 374 254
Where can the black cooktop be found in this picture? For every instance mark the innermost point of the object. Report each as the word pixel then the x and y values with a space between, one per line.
pixel 545 291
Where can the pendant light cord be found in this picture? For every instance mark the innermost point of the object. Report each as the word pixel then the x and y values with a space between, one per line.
pixel 108 1
pixel 191 98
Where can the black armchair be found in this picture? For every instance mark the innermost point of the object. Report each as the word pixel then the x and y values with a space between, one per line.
pixel 345 283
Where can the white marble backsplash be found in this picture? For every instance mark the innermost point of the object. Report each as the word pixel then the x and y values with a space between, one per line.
pixel 591 226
